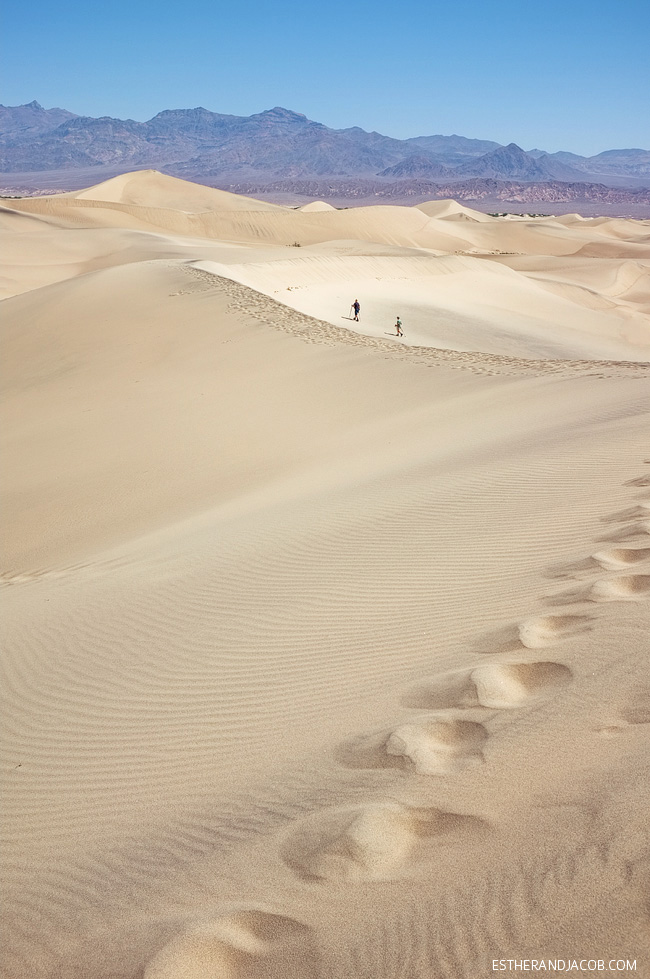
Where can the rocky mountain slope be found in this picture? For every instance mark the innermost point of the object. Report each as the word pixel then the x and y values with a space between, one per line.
pixel 277 143
pixel 284 150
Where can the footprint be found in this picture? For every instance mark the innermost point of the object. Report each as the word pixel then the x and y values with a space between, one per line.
pixel 428 746
pixel 625 588
pixel 572 597
pixel 374 842
pixel 248 944
pixel 639 481
pixel 632 530
pixel 611 730
pixel 621 557
pixel 550 629
pixel 639 512
pixel 497 685
pixel 637 708
pixel 21 577
pixel 435 747
pixel 574 569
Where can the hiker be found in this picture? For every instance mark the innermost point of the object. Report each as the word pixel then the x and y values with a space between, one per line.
pixel 356 306
pixel 398 328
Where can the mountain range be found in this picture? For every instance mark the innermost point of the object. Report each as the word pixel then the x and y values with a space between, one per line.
pixel 282 146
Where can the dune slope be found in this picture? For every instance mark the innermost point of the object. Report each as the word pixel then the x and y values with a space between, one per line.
pixel 325 654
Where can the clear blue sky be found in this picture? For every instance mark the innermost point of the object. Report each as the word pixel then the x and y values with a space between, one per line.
pixel 570 75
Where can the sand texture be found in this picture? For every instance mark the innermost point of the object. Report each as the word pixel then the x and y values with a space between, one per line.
pixel 325 652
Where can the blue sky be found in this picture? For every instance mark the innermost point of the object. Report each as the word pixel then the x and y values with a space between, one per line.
pixel 570 75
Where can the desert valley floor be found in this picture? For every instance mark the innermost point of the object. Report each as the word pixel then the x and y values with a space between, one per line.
pixel 325 651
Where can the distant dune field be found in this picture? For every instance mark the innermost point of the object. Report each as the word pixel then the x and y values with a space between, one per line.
pixel 325 651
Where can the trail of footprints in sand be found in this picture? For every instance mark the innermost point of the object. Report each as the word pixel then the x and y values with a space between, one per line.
pixel 379 841
pixel 288 320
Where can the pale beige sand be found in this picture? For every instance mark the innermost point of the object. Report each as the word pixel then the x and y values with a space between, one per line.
pixel 325 653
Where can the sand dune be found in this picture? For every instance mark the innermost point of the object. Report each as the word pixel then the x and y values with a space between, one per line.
pixel 316 206
pixel 452 211
pixel 149 188
pixel 325 652
pixel 543 293
pixel 454 302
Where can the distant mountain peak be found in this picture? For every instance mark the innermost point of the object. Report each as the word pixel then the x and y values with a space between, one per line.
pixel 416 166
pixel 512 162
pixel 278 112
pixel 30 121
pixel 197 111
pixel 512 150
pixel 197 108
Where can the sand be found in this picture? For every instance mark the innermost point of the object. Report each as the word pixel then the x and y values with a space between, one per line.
pixel 325 653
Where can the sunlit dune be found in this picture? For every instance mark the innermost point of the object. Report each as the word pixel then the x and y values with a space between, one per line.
pixel 325 649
